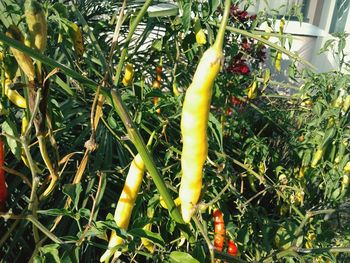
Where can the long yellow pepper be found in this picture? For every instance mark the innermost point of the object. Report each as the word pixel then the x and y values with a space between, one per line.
pixel 24 61
pixel 194 122
pixel 125 204
pixel 37 24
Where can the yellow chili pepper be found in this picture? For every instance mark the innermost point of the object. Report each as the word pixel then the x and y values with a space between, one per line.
pixel 346 104
pixel 77 37
pixel 252 90
pixel 14 96
pixel 278 61
pixel 125 204
pixel 129 73
pixel 317 156
pixel 23 60
pixel 37 24
pixel 147 243
pixel 194 122
pixel 177 202
pixel 201 39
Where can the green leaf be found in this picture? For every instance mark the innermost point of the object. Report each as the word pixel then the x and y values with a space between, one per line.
pixel 70 255
pixel 84 212
pixel 61 9
pixel 154 237
pixel 186 17
pixel 64 86
pixel 50 253
pixel 111 224
pixel 38 259
pixel 9 128
pixel 213 5
pixel 56 212
pixel 216 128
pixel 180 257
pixel 73 191
pixel 97 230
pixel 158 44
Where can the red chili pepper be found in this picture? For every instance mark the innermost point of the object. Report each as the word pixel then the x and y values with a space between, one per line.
pixel 156 84
pixel 219 226
pixel 232 248
pixel 235 101
pixel 159 70
pixel 3 188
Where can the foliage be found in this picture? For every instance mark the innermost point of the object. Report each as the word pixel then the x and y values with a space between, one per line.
pixel 278 199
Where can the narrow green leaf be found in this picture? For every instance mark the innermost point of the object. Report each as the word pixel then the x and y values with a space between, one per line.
pixel 50 253
pixel 9 128
pixel 186 17
pixel 154 237
pixel 56 212
pixel 73 191
pixel 180 257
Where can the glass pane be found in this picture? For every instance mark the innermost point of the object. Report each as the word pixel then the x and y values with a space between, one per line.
pixel 340 16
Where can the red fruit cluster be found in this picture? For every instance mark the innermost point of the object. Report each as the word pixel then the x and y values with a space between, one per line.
pixel 235 101
pixel 219 238
pixel 239 66
pixel 241 15
pixel 219 230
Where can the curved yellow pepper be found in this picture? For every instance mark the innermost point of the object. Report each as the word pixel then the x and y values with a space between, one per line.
pixel 24 61
pixel 278 61
pixel 37 24
pixel 14 96
pixel 77 37
pixel 125 204
pixel 194 123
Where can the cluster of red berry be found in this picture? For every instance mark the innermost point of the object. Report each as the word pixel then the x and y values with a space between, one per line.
pixel 241 16
pixel 250 52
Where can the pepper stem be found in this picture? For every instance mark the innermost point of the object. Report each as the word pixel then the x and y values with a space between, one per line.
pixel 219 41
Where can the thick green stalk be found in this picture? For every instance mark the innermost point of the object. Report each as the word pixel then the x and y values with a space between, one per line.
pixel 137 140
pixel 219 41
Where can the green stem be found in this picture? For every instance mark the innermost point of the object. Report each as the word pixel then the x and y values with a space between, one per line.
pixel 6 235
pixel 219 41
pixel 308 215
pixel 132 29
pixel 282 254
pixel 35 222
pixel 206 238
pixel 137 140
pixel 266 42
pixel 228 257
pixel 320 250
pixel 43 229
pixel 33 202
